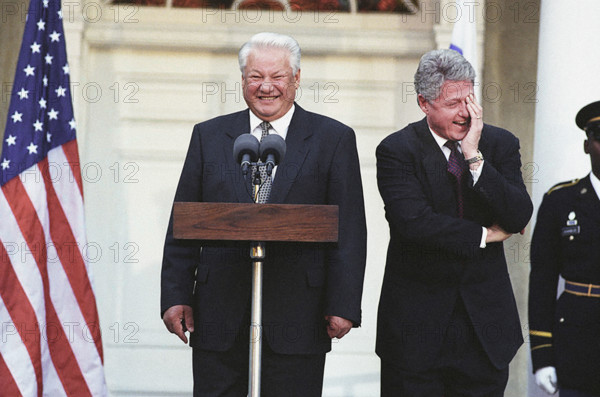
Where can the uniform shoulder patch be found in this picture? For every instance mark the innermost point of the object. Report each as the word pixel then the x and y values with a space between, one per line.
pixel 562 185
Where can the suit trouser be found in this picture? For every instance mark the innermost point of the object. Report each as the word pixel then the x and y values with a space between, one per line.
pixel 225 374
pixel 462 368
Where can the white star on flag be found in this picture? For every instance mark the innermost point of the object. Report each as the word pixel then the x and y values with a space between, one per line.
pixel 60 91
pixel 35 48
pixel 23 94
pixel 55 36
pixel 29 70
pixel 38 125
pixel 17 117
pixel 32 148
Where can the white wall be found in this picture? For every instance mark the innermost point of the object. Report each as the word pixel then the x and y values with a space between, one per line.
pixel 143 78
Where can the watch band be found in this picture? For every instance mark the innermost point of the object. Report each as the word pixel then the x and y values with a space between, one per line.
pixel 478 157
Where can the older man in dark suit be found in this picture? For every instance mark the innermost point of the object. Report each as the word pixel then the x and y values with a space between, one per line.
pixel 311 292
pixel 452 187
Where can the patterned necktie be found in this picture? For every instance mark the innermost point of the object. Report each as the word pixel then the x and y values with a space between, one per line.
pixel 457 166
pixel 265 186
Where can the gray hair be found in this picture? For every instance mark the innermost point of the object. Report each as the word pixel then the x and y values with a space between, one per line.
pixel 271 40
pixel 438 66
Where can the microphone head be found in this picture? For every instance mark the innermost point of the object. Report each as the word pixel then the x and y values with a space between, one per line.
pixel 246 144
pixel 272 144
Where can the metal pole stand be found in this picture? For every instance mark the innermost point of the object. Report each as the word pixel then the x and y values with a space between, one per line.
pixel 257 253
pixel 267 222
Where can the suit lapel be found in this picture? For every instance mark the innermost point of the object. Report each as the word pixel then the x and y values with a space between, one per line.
pixel 297 149
pixel 238 126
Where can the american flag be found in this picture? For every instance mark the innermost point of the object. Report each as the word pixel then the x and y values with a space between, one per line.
pixel 50 332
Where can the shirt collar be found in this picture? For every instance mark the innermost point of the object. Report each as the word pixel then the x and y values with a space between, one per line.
pixel 595 184
pixel 280 125
pixel 442 141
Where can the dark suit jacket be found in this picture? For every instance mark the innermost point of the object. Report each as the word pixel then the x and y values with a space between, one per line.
pixel 302 282
pixel 434 256
pixel 565 333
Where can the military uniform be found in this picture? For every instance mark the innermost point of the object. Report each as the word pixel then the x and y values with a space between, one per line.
pixel 565 332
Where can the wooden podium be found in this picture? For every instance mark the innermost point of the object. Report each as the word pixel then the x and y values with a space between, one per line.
pixel 257 224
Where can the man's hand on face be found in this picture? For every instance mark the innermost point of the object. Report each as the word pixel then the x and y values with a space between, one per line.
pixel 470 143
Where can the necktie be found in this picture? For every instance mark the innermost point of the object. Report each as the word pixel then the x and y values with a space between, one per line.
pixel 265 186
pixel 457 167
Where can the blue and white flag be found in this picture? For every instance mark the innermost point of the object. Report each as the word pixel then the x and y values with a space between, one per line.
pixel 464 35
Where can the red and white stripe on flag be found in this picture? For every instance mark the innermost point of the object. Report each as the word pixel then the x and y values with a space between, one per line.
pixel 51 343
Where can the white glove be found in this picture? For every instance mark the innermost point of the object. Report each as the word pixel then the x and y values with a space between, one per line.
pixel 545 378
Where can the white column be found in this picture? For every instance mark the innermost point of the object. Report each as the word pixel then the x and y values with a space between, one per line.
pixel 567 79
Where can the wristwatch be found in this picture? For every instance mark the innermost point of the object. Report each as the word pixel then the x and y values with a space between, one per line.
pixel 478 157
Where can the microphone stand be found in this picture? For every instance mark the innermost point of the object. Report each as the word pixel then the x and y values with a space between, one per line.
pixel 257 254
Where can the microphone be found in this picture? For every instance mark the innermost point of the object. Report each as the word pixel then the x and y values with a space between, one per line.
pixel 245 151
pixel 272 150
